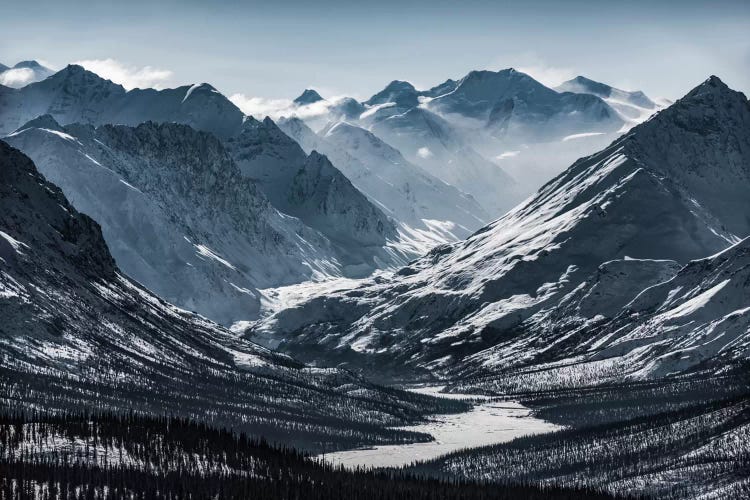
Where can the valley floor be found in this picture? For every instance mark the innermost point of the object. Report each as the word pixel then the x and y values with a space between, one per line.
pixel 490 421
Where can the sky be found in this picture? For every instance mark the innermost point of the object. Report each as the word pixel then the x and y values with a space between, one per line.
pixel 269 51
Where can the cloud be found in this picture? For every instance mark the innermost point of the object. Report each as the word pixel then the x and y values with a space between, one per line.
pixel 534 65
pixel 260 107
pixel 17 77
pixel 129 77
pixel 424 152
pixel 551 76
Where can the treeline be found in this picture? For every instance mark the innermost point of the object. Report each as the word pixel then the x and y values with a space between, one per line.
pixel 314 412
pixel 112 456
pixel 684 453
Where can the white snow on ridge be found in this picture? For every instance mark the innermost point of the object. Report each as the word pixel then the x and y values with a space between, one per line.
pixel 13 242
pixel 580 136
pixel 207 252
pixel 374 109
pixel 689 307
pixel 507 154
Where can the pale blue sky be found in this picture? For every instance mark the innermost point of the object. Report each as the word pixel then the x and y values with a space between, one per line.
pixel 276 49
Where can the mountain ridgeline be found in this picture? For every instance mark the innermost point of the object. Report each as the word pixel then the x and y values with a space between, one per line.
pixel 162 252
pixel 77 333
pixel 207 249
pixel 667 192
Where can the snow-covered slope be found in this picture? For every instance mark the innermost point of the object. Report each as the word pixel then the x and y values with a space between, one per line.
pixel 77 334
pixel 634 320
pixel 494 135
pixel 432 143
pixel 633 106
pixel 23 73
pixel 404 191
pixel 672 189
pixel 513 106
pixel 428 211
pixel 177 214
pixel 76 95
pixel 310 188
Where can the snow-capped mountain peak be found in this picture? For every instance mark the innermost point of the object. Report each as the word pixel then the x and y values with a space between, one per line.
pixel 23 73
pixel 671 190
pixel 633 106
pixel 400 93
pixel 309 96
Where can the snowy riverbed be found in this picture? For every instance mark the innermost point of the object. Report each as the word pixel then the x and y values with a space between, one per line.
pixel 489 422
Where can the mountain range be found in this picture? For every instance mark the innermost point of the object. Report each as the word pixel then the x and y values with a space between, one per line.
pixel 268 275
pixel 488 132
pixel 77 332
pixel 177 212
pixel 667 192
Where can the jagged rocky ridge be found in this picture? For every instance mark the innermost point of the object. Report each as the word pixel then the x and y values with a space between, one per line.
pixel 475 133
pixel 310 188
pixel 178 214
pixel 77 333
pixel 669 189
pixel 429 211
pixel 75 95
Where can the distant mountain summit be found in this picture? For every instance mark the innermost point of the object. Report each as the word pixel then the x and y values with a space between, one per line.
pixel 511 104
pixel 23 73
pixel 29 64
pixel 633 106
pixel 672 189
pixel 309 96
pixel 77 95
pixel 581 84
pixel 398 93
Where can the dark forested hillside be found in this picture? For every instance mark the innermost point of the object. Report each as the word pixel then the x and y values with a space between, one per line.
pixel 677 439
pixel 104 455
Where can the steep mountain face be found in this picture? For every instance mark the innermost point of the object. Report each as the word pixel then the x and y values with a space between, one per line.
pixel 23 73
pixel 347 234
pixel 428 211
pixel 656 193
pixel 310 188
pixel 77 333
pixel 426 206
pixel 177 213
pixel 633 106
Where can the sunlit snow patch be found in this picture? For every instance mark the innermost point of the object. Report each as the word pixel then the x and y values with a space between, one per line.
pixel 14 242
pixel 507 154
pixel 204 251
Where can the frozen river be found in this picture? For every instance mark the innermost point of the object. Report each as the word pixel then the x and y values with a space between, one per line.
pixel 489 422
